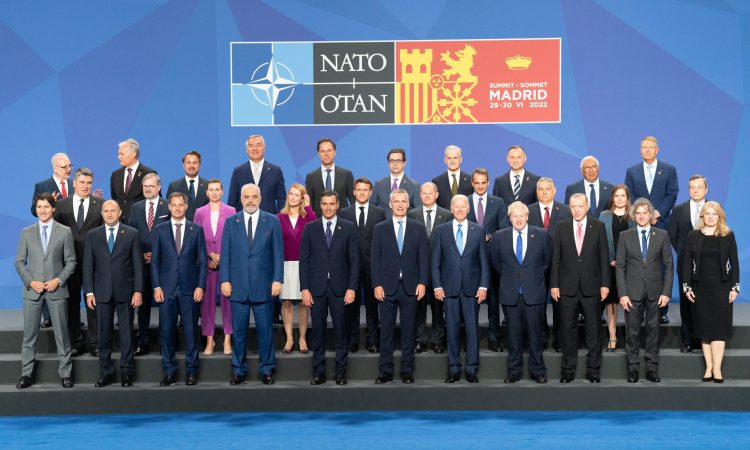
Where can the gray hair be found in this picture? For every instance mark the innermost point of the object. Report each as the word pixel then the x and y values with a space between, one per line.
pixel 134 146
pixel 83 171
pixel 452 147
pixel 579 195
pixel 262 141
pixel 398 191
pixel 641 202
pixel 459 197
pixel 150 175
pixel 518 206
pixel 589 157
pixel 58 155
pixel 428 184
pixel 545 180
pixel 250 186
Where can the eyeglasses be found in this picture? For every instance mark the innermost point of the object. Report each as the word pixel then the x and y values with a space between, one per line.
pixel 396 161
pixel 69 166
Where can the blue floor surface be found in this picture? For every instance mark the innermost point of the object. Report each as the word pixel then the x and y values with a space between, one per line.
pixel 383 430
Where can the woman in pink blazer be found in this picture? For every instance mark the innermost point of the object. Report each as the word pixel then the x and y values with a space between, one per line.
pixel 211 217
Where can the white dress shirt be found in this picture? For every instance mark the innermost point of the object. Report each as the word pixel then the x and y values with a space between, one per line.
pixel 257 170
pixel 513 174
pixel 587 191
pixel 76 202
pixel 583 228
pixel 359 211
pixel 475 200
pixel 524 238
pixel 324 174
pixel 133 166
pixel 325 224
pixel 255 216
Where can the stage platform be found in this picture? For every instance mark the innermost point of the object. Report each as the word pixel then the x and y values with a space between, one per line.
pixel 680 388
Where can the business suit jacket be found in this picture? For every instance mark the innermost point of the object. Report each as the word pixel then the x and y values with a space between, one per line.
pixel 375 215
pixel 460 272
pixel 32 264
pixel 441 216
pixel 528 275
pixel 729 266
pixel 590 270
pixel 413 263
pixel 343 184
pixel 64 215
pixel 381 193
pixel 606 217
pixel 117 188
pixel 526 195
pixel 664 190
pixel 443 182
pixel 604 194
pixel 114 276
pixel 495 214
pixel 637 278
pixel 557 213
pixel 139 221
pixel 186 270
pixel 252 270
pixel 51 186
pixel 338 264
pixel 272 188
pixel 680 226
pixel 180 185
pixel 203 218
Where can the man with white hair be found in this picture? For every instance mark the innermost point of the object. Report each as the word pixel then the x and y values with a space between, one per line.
pixel 597 190
pixel 454 180
pixel 125 183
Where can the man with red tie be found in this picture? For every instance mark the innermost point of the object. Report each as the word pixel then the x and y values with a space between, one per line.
pixel 125 182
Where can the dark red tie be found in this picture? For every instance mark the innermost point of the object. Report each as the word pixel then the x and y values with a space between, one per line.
pixel 150 215
pixel 128 180
pixel 63 189
pixel 546 217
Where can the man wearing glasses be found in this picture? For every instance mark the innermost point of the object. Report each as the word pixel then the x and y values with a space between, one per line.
pixel 396 180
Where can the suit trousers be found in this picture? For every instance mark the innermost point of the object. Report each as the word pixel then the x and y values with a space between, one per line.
pixel 168 310
pixel 525 320
pixel 208 307
pixel 319 311
pixel 437 331
pixel 32 313
pixel 364 295
pixel 404 304
pixel 105 316
pixel 466 309
pixel 144 311
pixel 263 312
pixel 592 311
pixel 91 337
pixel 649 309
pixel 686 313
pixel 493 309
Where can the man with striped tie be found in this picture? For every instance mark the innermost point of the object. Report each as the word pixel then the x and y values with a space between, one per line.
pixel 518 184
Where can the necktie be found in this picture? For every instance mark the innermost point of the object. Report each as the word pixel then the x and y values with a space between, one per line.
pixel 519 255
pixel 697 215
pixel 454 185
pixel 191 190
pixel 150 215
pixel 516 186
pixel 394 186
pixel 329 234
pixel 429 222
pixel 400 236
pixel 546 217
pixel 63 189
pixel 80 218
pixel 178 238
pixel 328 180
pixel 644 245
pixel 460 240
pixel 45 239
pixel 649 178
pixel 579 238
pixel 594 203
pixel 480 212
pixel 128 180
pixel 256 173
pixel 361 222
pixel 250 231
pixel 111 239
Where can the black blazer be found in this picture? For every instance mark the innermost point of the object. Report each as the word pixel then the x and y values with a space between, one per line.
pixel 591 270
pixel 729 267
pixel 527 194
pixel 49 185
pixel 443 183
pixel 139 221
pixel 343 184
pixel 320 265
pixel 442 215
pixel 64 215
pixel 605 193
pixel 375 215
pixel 413 263
pixel 135 193
pixel 680 226
pixel 557 213
pixel 180 185
pixel 113 276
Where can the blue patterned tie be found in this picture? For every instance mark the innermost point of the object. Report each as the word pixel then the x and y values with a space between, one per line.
pixel 460 240
pixel 593 196
pixel 45 239
pixel 111 239
pixel 328 179
pixel 644 245
pixel 400 236
pixel 329 235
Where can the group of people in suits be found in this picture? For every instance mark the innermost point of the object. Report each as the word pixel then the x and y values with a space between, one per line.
pixel 397 247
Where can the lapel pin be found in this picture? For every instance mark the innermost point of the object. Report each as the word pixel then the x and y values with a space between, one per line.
pixel 658 173
pixel 653 233
pixel 531 235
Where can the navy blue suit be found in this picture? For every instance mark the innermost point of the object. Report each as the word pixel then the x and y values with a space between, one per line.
pixel 178 275
pixel 252 271
pixel 381 193
pixel 328 272
pixel 460 275
pixel 399 275
pixel 527 193
pixel 272 188
pixel 443 183
pixel 523 294
pixel 180 185
pixel 582 187
pixel 51 186
pixel 664 190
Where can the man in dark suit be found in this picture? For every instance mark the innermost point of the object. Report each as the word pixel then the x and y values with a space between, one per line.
pixel 644 282
pixel 580 276
pixel 454 180
pixel 490 212
pixel 329 177
pixel 113 283
pixel 178 275
pixel 521 256
pixel 597 191
pixel 684 218
pixel 460 269
pixel 145 215
pixel 81 212
pixel 268 177
pixel 125 182
pixel 518 184
pixel 381 195
pixel 328 271
pixel 191 184
pixel 400 273
pixel 250 275
pixel 365 215
pixel 546 213
pixel 430 215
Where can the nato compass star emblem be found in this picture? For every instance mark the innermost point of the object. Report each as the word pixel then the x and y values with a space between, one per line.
pixel 272 83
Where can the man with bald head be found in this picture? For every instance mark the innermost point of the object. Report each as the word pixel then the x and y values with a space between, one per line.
pixel 597 190
pixel 125 182
pixel 58 184
pixel 454 180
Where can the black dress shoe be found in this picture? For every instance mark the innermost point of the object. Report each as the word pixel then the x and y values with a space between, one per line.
pixel 452 378
pixel 106 380
pixel 267 378
pixel 686 349
pixel 493 346
pixel 191 379
pixel 277 321
pixel 372 348
pixel 66 382
pixel 407 378
pixel 581 319
pixel 95 353
pixel 510 379
pixel 472 378
pixel 318 380
pixel 75 352
pixel 664 320
pixel 24 382
pixel 652 376
pixel 126 381
pixel 168 380
pixel 566 379
pixel 558 347
pixel 140 351
pixel 341 379
pixel 633 376
pixel 541 379
pixel 237 379
pixel 383 378
pixel 420 348
pixel 707 379
pixel 504 321
pixel 593 378
pixel 46 323
pixel 718 380
pixel 353 348
pixel 439 349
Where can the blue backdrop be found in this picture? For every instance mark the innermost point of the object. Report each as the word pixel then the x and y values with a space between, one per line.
pixel 79 76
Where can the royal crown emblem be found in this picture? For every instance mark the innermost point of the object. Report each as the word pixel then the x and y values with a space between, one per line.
pixel 518 62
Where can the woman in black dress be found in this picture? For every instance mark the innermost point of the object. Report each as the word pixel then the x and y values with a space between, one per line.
pixel 712 281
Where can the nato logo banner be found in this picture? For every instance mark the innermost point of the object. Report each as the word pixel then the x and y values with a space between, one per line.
pixel 395 82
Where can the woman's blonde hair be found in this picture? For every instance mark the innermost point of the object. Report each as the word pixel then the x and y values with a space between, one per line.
pixel 301 208
pixel 721 228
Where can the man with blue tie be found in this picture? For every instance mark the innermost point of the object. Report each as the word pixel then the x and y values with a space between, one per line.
pixel 460 276
pixel 178 275
pixel 521 256
pixel 400 273
pixel 250 275
pixel 329 177
pixel 597 190
pixel 268 177
pixel 397 179
pixel 328 278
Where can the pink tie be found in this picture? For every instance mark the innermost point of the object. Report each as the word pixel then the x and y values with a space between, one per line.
pixel 579 238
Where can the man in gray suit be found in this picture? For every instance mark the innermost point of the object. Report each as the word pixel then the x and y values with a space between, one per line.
pixel 45 260
pixel 381 195
pixel 644 281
